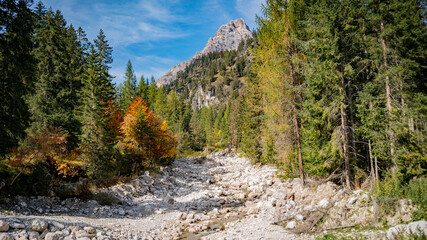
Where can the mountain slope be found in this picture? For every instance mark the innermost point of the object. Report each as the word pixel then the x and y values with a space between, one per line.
pixel 226 38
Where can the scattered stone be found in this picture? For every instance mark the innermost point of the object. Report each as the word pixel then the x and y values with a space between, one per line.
pixel 299 217
pixel 324 203
pixel 33 235
pixel 5 236
pixel 58 225
pixel 52 236
pixel 352 200
pixel 17 225
pixel 291 225
pixel 83 233
pixel 190 216
pixel 4 227
pixel 252 195
pixel 239 196
pixel 121 212
pixel 39 225
pixel 89 230
pixel 170 200
pixel 253 210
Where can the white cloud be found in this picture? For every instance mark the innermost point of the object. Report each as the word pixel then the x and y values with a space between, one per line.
pixel 156 60
pixel 124 22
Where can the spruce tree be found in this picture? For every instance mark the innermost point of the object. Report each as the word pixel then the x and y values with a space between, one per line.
pixel 128 90
pixel 96 98
pixel 142 89
pixel 57 82
pixel 16 68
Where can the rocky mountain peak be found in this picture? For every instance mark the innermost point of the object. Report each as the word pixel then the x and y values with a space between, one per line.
pixel 227 37
pixel 238 25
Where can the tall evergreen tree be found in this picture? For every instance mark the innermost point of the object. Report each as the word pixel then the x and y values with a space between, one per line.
pixel 142 89
pixel 57 80
pixel 128 90
pixel 16 68
pixel 96 106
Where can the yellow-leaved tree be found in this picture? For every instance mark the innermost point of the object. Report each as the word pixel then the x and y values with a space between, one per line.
pixel 146 137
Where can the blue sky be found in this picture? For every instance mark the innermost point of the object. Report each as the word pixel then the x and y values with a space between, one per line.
pixel 154 34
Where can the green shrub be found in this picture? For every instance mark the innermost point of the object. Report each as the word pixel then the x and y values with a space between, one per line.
pixel 417 192
pixel 327 237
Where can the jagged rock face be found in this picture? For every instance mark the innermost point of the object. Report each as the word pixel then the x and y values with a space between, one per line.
pixel 202 99
pixel 227 37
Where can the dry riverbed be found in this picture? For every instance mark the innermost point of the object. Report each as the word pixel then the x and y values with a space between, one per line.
pixel 221 196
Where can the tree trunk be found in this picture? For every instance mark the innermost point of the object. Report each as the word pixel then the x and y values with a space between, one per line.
pixel 388 99
pixel 295 118
pixel 376 170
pixel 345 138
pixel 372 162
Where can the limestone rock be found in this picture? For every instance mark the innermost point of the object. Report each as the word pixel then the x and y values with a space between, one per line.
pixel 291 225
pixel 39 225
pixel 4 227
pixel 396 231
pixel 17 225
pixel 89 230
pixel 419 228
pixel 52 236
pixel 324 203
pixel 83 234
pixel 5 236
pixel 253 210
pixel 33 235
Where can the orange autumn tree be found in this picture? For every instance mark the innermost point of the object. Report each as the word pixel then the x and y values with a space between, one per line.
pixel 145 137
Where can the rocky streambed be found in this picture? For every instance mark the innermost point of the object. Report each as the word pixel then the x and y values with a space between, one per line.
pixel 221 196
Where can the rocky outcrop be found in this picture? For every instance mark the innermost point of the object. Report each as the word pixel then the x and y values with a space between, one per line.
pixel 227 37
pixel 403 231
pixel 203 99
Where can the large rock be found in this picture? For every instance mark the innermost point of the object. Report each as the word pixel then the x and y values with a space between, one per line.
pixel 89 230
pixel 396 231
pixel 52 236
pixel 4 227
pixel 418 228
pixel 39 225
pixel 33 235
pixel 5 236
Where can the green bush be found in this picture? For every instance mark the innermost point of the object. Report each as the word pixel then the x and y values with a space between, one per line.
pixel 417 192
pixel 392 189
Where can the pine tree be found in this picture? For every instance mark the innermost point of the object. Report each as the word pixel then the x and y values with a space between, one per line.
pixel 57 80
pixel 396 48
pixel 96 108
pixel 16 68
pixel 151 92
pixel 142 89
pixel 128 90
